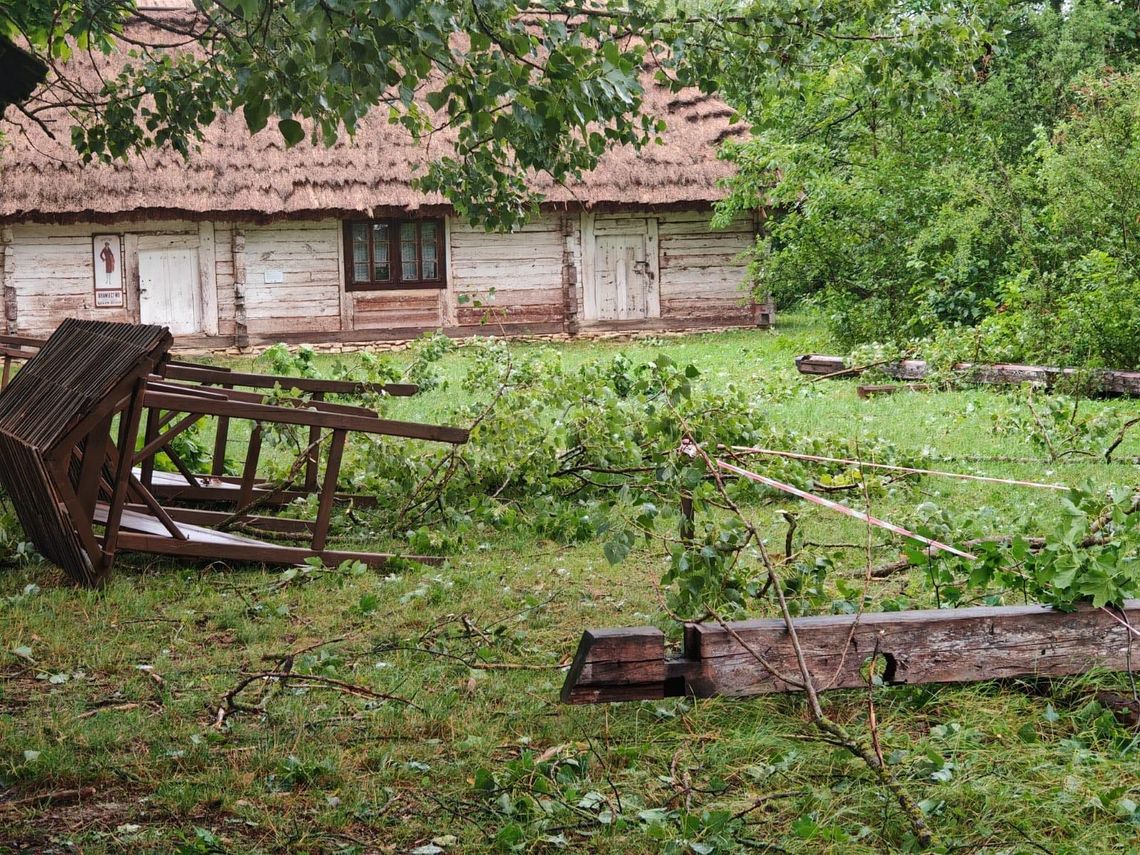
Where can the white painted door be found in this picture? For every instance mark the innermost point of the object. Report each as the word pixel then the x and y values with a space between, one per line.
pixel 621 268
pixel 169 289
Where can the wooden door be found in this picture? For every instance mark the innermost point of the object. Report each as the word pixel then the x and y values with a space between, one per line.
pixel 169 289
pixel 620 268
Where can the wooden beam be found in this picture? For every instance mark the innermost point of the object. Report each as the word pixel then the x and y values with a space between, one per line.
pixel 915 647
pixel 1105 381
pixel 873 389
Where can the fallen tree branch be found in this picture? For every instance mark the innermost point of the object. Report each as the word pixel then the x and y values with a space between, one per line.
pixel 55 797
pixel 230 705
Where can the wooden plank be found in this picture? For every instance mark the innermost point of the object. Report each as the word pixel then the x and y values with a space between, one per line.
pixel 225 490
pixel 653 257
pixel 589 268
pixel 198 516
pixel 917 647
pixel 207 272
pixel 206 543
pixel 328 490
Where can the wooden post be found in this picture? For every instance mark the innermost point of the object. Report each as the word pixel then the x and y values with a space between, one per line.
pixel 221 442
pixel 241 323
pixel 207 273
pixel 7 266
pixel 128 433
pixel 314 450
pixel 146 469
pixel 569 273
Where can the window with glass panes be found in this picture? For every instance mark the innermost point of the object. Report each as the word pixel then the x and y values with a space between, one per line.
pixel 393 254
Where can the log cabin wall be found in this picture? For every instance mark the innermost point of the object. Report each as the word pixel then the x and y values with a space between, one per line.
pixel 262 283
pixel 49 275
pixel 293 278
pixel 702 270
pixel 516 276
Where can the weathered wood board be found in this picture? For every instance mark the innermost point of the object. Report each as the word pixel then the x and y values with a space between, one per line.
pixel 916 647
pixel 1109 382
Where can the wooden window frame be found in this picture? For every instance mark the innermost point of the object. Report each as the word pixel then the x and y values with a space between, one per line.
pixel 397 282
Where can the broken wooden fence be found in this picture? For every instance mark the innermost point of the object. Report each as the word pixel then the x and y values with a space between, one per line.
pixel 1103 381
pixel 83 486
pixel 910 647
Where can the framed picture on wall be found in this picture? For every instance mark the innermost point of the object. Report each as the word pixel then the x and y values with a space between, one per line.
pixel 107 261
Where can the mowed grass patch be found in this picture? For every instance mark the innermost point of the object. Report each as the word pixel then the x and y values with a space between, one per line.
pixel 470 751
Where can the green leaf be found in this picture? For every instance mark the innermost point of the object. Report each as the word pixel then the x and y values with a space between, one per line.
pixel 291 130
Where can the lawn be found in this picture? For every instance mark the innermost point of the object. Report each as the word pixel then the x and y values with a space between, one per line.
pixel 460 744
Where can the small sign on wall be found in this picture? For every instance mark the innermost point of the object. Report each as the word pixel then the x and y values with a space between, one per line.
pixel 107 260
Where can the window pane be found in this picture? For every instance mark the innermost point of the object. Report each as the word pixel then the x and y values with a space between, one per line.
pixel 382 270
pixel 359 252
pixel 409 263
pixel 430 255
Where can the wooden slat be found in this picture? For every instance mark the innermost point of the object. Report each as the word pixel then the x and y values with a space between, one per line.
pixel 208 374
pixel 287 415
pixel 917 647
pixel 328 490
pixel 205 543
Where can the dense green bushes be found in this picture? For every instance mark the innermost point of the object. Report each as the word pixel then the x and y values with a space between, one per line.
pixel 1010 203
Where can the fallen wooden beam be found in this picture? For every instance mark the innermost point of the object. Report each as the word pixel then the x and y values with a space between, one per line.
pixel 1103 381
pixel 873 389
pixel 915 647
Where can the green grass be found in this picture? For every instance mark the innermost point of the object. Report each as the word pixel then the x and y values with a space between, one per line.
pixel 119 689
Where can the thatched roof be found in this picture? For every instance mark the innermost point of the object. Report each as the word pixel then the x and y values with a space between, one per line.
pixel 236 175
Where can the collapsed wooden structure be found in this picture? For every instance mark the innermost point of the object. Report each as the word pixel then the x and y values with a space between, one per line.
pixel 81 425
pixel 1102 381
pixel 756 657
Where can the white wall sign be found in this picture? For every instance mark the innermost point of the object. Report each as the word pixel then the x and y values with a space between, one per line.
pixel 107 262
pixel 274 277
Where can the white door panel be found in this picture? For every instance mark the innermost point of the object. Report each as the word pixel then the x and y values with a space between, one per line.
pixel 620 269
pixel 169 289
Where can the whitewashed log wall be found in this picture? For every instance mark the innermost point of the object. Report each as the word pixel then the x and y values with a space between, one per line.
pixel 48 269
pixel 702 270
pixel 516 276
pixel 287 279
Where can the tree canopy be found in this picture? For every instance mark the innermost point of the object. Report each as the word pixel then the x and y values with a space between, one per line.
pixel 537 85
pixel 1003 201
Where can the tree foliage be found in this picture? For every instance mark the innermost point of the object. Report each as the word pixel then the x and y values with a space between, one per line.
pixel 524 85
pixel 1005 197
